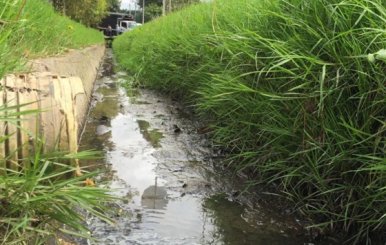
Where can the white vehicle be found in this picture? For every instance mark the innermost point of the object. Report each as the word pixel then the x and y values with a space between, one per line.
pixel 125 25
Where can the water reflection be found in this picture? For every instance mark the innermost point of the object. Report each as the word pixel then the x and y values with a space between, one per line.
pixel 106 104
pixel 232 228
pixel 154 197
pixel 152 136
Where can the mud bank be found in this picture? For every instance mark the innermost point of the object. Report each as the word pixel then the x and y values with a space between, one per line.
pixel 60 87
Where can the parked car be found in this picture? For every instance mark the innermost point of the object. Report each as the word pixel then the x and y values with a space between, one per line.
pixel 125 25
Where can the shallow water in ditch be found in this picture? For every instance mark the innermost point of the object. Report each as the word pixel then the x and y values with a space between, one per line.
pixel 151 150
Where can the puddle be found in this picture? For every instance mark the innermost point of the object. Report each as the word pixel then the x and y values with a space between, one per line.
pixel 162 168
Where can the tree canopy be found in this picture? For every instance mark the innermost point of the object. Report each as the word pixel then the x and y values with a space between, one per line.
pixel 149 2
pixel 170 4
pixel 88 12
pixel 114 5
pixel 154 7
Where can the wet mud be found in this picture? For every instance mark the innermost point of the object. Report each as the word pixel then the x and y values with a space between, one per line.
pixel 163 169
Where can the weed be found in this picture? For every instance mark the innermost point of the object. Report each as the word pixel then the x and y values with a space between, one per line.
pixel 43 197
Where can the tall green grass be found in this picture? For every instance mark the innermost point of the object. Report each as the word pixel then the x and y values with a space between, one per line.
pixel 291 89
pixel 7 61
pixel 31 29
pixel 44 199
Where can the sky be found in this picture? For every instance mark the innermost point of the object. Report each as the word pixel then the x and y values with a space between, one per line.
pixel 128 4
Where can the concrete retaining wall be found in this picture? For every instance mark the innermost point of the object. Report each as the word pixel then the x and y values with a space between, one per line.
pixel 61 87
pixel 83 64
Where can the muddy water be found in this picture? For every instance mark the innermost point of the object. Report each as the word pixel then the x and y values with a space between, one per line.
pixel 162 168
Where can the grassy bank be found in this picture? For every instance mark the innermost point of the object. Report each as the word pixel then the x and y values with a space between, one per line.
pixel 31 29
pixel 41 198
pixel 294 89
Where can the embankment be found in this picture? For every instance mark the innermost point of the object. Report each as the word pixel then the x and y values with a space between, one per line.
pixel 294 90
pixel 32 29
pixel 61 88
pixel 83 64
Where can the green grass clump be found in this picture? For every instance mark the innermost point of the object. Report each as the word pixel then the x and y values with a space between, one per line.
pixel 43 199
pixel 295 89
pixel 31 29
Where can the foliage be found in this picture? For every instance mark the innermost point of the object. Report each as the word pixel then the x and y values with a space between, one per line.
pixel 172 4
pixel 114 5
pixel 289 88
pixel 175 5
pixel 87 12
pixel 149 2
pixel 43 197
pixel 32 29
pixel 41 201
pixel 152 11
pixel 153 8
pixel 9 13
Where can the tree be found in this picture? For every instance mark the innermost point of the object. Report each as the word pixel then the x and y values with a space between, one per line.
pixel 88 12
pixel 114 5
pixel 153 8
pixel 152 11
pixel 171 5
pixel 149 2
pixel 176 5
